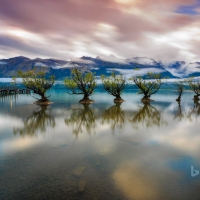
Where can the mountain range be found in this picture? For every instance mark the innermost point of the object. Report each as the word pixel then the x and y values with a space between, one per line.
pixel 99 65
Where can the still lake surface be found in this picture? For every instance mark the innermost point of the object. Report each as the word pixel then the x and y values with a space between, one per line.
pixel 101 151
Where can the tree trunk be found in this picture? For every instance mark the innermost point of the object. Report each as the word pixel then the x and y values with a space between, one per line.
pixel 43 98
pixel 86 96
pixel 178 99
pixel 86 99
pixel 196 97
pixel 146 98
pixel 118 99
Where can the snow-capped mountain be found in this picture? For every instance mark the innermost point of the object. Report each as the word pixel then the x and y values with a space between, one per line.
pixel 184 69
pixel 142 61
pixel 99 65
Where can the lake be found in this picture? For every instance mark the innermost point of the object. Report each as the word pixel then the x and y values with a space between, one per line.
pixel 101 151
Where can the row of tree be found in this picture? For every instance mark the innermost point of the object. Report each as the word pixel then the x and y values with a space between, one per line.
pixel 83 82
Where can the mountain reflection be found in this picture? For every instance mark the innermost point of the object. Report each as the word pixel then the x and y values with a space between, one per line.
pixel 40 119
pixel 82 118
pixel 114 116
pixel 148 116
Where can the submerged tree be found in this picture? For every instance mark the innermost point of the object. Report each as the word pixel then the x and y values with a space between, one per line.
pixel 40 119
pixel 194 86
pixel 82 118
pixel 38 83
pixel 114 85
pixel 81 82
pixel 179 89
pixel 114 116
pixel 148 86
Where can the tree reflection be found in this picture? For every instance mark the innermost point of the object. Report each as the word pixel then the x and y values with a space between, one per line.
pixel 82 118
pixel 114 116
pixel 195 110
pixel 148 116
pixel 178 114
pixel 40 119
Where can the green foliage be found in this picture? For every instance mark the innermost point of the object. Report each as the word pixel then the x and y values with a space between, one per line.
pixel 194 85
pixel 37 82
pixel 114 84
pixel 80 82
pixel 148 86
pixel 14 80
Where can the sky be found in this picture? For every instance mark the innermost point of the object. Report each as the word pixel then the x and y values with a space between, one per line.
pixel 165 30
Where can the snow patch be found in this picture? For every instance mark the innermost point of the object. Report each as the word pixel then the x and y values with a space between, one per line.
pixel 80 60
pixel 142 60
pixel 134 72
pixel 112 59
pixel 129 73
pixel 39 64
pixel 95 68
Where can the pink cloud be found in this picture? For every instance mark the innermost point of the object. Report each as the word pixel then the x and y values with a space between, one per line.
pixel 73 26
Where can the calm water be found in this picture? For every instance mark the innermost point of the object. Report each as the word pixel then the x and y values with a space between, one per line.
pixel 102 151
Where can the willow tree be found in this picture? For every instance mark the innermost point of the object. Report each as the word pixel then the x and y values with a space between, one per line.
pixel 149 85
pixel 37 82
pixel 114 85
pixel 194 86
pixel 179 89
pixel 81 82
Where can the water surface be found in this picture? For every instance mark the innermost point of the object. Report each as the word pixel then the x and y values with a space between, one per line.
pixel 129 151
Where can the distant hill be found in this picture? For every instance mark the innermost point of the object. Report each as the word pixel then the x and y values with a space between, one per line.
pixel 99 65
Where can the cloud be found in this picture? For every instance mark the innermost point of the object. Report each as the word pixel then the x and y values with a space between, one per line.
pixel 82 61
pixel 75 28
